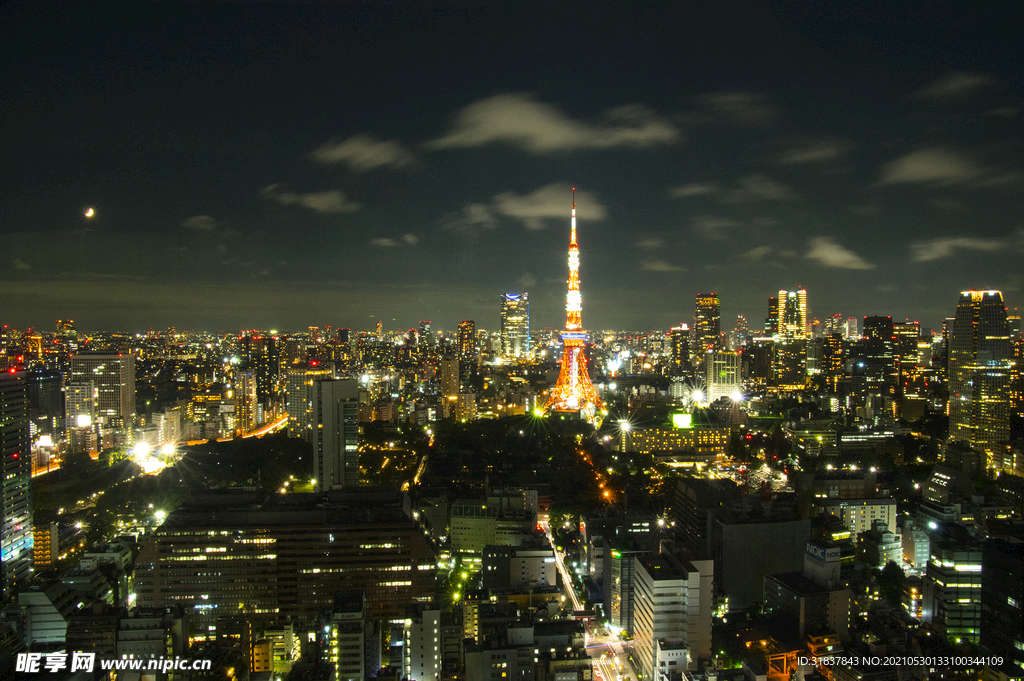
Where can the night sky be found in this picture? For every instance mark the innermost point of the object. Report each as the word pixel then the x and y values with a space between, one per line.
pixel 268 165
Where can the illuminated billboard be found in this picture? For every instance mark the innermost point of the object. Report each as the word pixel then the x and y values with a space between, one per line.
pixel 680 420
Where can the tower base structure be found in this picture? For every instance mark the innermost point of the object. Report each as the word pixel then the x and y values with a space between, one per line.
pixel 573 391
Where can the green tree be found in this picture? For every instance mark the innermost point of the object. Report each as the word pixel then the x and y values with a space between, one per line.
pixel 890 583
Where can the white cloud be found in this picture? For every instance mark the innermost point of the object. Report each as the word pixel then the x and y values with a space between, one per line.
pixel 756 254
pixel 652 242
pixel 200 223
pixel 388 242
pixel 550 201
pixel 20 264
pixel 659 266
pixel 830 254
pixel 473 218
pixel 758 188
pixel 332 201
pixel 937 249
pixel 712 227
pixel 520 120
pixel 955 85
pixel 739 108
pixel 364 152
pixel 693 189
pixel 814 152
pixel 932 166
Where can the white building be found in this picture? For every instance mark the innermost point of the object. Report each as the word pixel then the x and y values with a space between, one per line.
pixel 859 514
pixel 421 652
pixel 672 602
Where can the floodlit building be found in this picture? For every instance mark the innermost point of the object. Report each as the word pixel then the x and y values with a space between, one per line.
pixel 706 323
pixel 979 371
pixel 515 325
pixel 421 649
pixel 722 370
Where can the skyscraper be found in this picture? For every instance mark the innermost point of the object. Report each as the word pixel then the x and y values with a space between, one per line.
pixel 300 380
pixel 979 371
pixel 680 349
pixel 424 337
pixel 449 380
pixel 113 376
pixel 880 354
pixel 574 392
pixel 334 433
pixel 259 355
pixel 467 340
pixel 515 325
pixel 792 313
pixel 771 322
pixel 722 371
pixel 706 322
pixel 16 512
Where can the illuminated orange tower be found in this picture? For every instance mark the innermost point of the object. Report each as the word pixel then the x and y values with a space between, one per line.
pixel 574 391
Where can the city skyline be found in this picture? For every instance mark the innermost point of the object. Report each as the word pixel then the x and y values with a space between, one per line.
pixel 275 166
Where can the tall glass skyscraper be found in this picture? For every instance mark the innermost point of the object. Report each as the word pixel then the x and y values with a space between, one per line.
pixel 979 371
pixel 16 512
pixel 515 325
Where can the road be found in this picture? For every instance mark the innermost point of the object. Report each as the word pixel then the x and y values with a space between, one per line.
pixel 608 653
pixel 570 591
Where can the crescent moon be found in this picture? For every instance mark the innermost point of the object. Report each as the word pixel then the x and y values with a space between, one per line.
pixel 89 212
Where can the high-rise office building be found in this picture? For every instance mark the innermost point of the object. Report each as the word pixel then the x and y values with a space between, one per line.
pixel 880 356
pixel 449 380
pixel 706 322
pixel 1017 378
pixel 951 587
pixel 334 433
pixel 515 325
pixel 424 336
pixel 113 377
pixel 671 608
pixel 300 380
pixel 16 512
pixel 792 313
pixel 1002 593
pixel 245 402
pixel 680 361
pixel 286 556
pixel 722 374
pixel 45 403
pixel 771 322
pixel 467 341
pixel 261 356
pixel 831 360
pixel 979 371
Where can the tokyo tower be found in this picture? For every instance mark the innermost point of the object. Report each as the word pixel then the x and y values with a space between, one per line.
pixel 574 391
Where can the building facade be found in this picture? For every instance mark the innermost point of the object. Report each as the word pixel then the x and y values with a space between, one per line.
pixel 334 433
pixel 16 531
pixel 515 325
pixel 979 371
